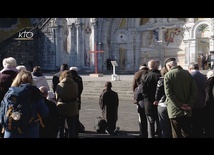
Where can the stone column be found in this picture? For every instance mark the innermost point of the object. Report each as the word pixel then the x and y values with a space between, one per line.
pixel 76 54
pixel 92 39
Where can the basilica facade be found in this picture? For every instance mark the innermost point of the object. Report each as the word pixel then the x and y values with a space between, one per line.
pixel 92 42
pixel 87 42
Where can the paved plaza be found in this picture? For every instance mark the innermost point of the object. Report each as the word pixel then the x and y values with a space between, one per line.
pixel 127 112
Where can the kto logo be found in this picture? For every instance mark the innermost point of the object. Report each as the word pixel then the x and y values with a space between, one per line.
pixel 25 36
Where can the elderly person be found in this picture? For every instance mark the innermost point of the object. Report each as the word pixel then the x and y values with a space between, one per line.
pixel 181 92
pixel 149 86
pixel 7 75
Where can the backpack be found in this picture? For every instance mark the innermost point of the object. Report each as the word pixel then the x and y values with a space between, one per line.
pixel 81 128
pixel 18 108
pixel 138 96
pixel 100 125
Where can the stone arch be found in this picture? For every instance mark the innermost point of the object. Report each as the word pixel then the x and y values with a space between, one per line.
pixel 197 24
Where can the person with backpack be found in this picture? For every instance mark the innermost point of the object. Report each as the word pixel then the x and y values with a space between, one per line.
pixel 22 108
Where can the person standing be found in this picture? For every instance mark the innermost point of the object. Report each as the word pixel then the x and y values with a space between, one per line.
pixel 137 76
pixel 160 99
pixel 55 78
pixel 181 93
pixel 39 78
pixel 209 105
pixel 51 122
pixel 7 75
pixel 109 102
pixel 149 86
pixel 198 115
pixel 78 79
pixel 67 105
pixel 137 90
pixel 39 108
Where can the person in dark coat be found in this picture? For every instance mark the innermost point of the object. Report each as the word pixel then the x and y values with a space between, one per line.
pixel 109 102
pixel 137 76
pixel 160 102
pixel 7 75
pixel 149 89
pixel 78 79
pixel 198 115
pixel 55 79
pixel 51 122
pixel 137 90
pixel 209 105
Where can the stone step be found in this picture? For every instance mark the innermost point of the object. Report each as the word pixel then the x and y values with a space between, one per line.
pixel 92 87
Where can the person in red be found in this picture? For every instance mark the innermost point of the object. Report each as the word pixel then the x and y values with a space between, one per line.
pixel 109 102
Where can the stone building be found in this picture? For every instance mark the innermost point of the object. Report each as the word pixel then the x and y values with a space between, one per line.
pixel 128 41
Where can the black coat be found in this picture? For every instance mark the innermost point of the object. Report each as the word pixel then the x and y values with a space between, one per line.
pixel 149 89
pixel 109 103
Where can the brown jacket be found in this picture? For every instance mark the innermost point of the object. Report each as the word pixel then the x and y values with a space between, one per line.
pixel 66 95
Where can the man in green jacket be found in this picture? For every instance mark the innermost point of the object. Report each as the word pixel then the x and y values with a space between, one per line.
pixel 181 91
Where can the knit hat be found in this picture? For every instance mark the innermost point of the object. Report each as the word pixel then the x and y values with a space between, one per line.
pixel 168 60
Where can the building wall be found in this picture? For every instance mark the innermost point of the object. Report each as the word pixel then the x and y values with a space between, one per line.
pixel 129 41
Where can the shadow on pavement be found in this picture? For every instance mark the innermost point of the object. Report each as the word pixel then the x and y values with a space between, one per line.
pixel 119 134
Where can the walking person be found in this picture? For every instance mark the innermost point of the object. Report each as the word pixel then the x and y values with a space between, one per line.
pixel 149 86
pixel 198 114
pixel 181 93
pixel 109 102
pixel 138 99
pixel 160 102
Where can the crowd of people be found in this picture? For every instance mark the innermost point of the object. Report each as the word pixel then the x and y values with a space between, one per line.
pixel 55 109
pixel 177 103
pixel 171 102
